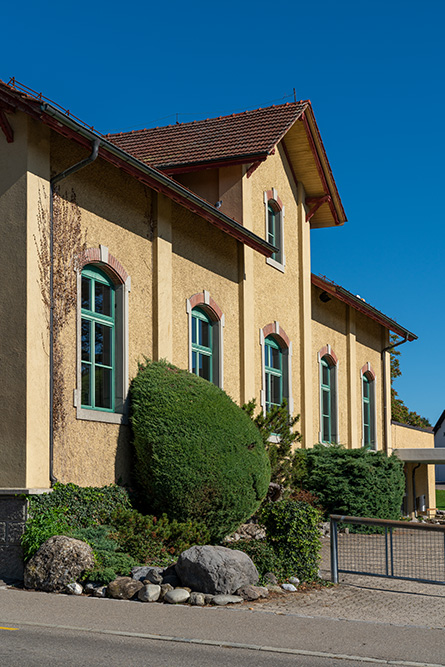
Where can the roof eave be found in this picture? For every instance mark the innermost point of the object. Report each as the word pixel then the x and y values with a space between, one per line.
pixel 366 309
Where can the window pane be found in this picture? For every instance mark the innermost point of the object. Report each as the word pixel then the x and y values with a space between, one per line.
pixel 326 403
pixel 102 299
pixel 86 300
pixel 86 340
pixel 194 355
pixel 204 366
pixel 367 435
pixel 326 435
pixel 102 344
pixel 103 387
pixel 204 334
pixel 271 226
pixel 194 328
pixel 85 388
pixel 275 388
pixel 365 388
pixel 325 374
pixel 275 358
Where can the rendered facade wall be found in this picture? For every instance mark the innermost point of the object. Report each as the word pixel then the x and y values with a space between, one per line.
pixel 407 437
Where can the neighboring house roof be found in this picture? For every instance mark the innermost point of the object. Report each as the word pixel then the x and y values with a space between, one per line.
pixel 439 422
pixel 246 138
pixel 360 305
pixel 240 137
pixel 15 96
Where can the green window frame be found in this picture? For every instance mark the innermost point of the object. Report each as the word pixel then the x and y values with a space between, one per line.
pixel 202 344
pixel 98 330
pixel 368 394
pixel 274 232
pixel 273 370
pixel 328 401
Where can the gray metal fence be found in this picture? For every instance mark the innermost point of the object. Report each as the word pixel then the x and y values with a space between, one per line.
pixel 397 549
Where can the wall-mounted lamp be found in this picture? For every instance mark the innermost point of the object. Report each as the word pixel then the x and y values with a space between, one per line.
pixel 325 297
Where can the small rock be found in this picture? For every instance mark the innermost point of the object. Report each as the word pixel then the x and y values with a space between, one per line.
pixel 124 588
pixel 100 592
pixel 248 593
pixel 197 599
pixel 150 593
pixel 270 578
pixel 288 587
pixel 208 597
pixel 294 580
pixel 177 596
pixel 274 588
pixel 263 591
pixel 74 589
pixel 151 574
pixel 164 590
pixel 222 600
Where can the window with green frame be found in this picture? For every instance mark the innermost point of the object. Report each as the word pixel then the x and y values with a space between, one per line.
pixel 274 373
pixel 274 231
pixel 97 340
pixel 368 393
pixel 328 400
pixel 203 357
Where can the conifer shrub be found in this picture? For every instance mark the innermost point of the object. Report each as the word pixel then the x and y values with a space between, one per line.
pixel 199 456
pixel 354 482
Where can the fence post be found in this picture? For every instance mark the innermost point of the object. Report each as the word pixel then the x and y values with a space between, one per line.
pixel 334 550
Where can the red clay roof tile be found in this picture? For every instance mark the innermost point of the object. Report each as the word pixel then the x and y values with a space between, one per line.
pixel 250 133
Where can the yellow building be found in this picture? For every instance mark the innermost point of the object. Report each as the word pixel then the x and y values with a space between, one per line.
pixel 190 243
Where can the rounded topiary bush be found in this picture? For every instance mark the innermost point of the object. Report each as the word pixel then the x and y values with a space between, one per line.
pixel 199 456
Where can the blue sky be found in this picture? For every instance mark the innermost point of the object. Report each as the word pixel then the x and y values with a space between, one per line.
pixel 374 72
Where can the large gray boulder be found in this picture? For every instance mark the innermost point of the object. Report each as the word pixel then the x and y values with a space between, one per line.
pixel 215 569
pixel 60 561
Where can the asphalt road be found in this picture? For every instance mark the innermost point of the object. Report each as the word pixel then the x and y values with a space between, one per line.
pixel 58 629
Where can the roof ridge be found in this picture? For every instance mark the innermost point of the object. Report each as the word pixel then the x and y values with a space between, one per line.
pixel 299 103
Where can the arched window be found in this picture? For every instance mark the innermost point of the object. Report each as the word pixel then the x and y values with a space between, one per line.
pixel 273 369
pixel 328 396
pixel 368 407
pixel 206 322
pixel 276 367
pixel 202 344
pixel 102 366
pixel 275 227
pixel 97 340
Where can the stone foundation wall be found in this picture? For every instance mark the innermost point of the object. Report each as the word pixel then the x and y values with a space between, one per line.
pixel 13 513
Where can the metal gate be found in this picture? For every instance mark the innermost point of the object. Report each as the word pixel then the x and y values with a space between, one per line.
pixel 397 549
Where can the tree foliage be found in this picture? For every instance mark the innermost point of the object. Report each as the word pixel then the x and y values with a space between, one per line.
pixel 399 411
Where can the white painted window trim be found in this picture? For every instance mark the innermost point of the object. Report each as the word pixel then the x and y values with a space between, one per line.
pixel 320 411
pixel 120 415
pixel 374 415
pixel 280 266
pixel 288 356
pixel 220 323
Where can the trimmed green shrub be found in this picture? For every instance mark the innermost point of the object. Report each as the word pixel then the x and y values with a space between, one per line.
pixel 153 540
pixel 292 531
pixel 199 456
pixel 355 482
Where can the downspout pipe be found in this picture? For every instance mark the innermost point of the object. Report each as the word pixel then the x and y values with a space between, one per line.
pixel 385 384
pixel 53 182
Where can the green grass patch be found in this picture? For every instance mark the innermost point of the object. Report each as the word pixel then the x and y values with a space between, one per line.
pixel 440 499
